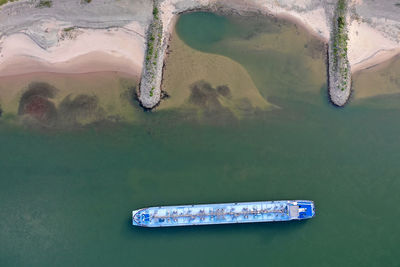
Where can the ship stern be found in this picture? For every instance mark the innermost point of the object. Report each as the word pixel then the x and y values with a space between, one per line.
pixel 301 209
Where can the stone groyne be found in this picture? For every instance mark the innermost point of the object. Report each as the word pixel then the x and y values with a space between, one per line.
pixel 158 35
pixel 150 85
pixel 339 72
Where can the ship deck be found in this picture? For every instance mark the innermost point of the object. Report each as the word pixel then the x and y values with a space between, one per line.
pixel 216 214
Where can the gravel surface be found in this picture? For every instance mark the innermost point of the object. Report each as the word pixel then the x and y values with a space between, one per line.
pixel 25 16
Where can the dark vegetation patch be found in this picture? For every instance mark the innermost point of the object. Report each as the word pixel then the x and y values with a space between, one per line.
pixel 2 2
pixel 315 48
pixel 208 99
pixel 36 102
pixel 204 96
pixel 39 88
pixel 69 29
pixel 393 79
pixel 130 94
pixel 41 109
pixel 224 91
pixel 44 3
pixel 81 107
pixel 1 111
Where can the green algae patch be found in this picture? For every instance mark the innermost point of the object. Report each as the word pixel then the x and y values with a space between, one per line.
pixel 44 4
pixel 2 2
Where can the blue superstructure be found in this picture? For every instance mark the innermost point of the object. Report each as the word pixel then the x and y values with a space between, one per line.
pixel 243 212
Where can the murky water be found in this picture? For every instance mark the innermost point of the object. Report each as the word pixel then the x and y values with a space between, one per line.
pixel 378 86
pixel 66 197
pixel 74 98
pixel 283 60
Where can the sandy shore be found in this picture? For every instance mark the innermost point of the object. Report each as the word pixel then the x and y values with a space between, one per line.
pixel 77 51
pixel 52 45
pixel 367 46
pixel 122 48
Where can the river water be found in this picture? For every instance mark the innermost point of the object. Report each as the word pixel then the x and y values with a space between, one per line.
pixel 66 196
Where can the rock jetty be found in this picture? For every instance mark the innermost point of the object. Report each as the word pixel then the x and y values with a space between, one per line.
pixel 339 66
pixel 150 86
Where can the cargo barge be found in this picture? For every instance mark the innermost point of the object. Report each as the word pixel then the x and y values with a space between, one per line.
pixel 225 213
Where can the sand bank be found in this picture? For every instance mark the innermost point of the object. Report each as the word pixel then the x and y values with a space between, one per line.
pixel 210 70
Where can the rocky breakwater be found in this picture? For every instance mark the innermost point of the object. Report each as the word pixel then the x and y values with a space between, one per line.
pixel 158 35
pixel 150 85
pixel 339 66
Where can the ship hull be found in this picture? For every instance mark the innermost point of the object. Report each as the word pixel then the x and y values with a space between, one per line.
pixel 224 213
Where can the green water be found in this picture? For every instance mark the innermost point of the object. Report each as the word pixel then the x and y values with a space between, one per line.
pixel 285 62
pixel 66 196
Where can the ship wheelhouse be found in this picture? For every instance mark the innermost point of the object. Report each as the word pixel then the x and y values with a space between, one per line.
pixel 299 210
